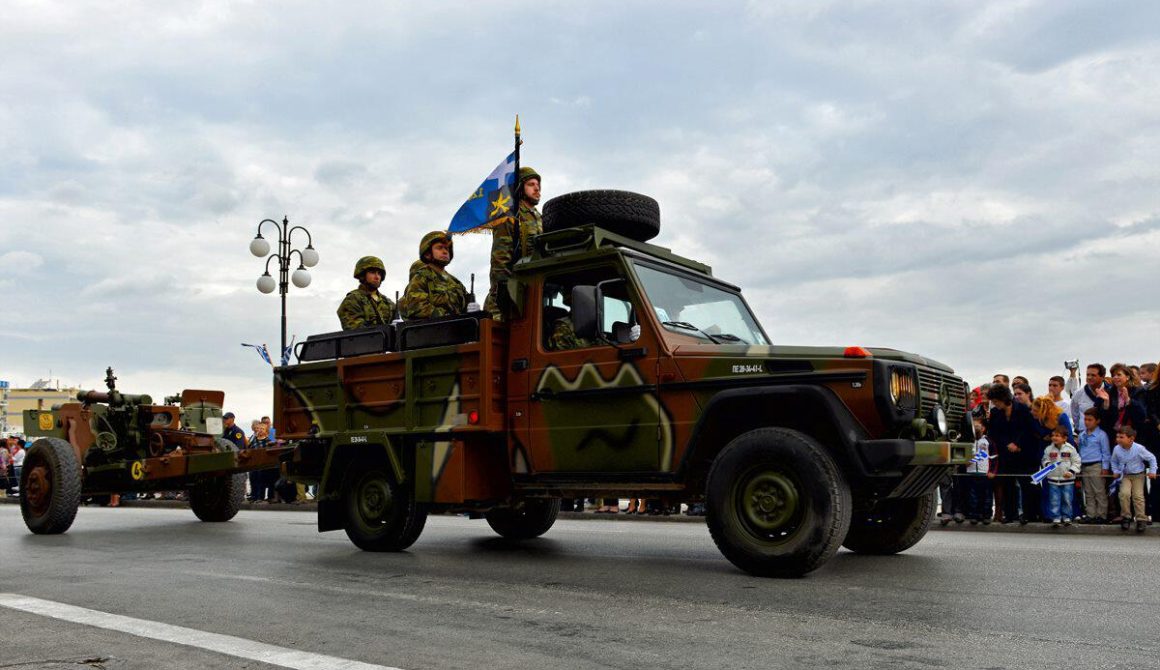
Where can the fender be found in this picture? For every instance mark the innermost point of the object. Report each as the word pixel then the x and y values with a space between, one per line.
pixel 341 457
pixel 809 408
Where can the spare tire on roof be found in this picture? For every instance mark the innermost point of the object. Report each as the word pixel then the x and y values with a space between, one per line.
pixel 624 213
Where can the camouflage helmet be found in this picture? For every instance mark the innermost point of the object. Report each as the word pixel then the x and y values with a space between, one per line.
pixel 368 263
pixel 527 173
pixel 431 238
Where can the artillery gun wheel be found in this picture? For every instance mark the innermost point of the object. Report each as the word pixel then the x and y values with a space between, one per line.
pixel 632 215
pixel 892 526
pixel 380 514
pixel 529 518
pixel 220 498
pixel 50 486
pixel 776 504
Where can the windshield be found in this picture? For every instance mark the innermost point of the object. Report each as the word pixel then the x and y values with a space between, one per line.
pixel 690 307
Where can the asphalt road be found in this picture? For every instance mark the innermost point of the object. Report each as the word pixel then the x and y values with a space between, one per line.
pixel 590 594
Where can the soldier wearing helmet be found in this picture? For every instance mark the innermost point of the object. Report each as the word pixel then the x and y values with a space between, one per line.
pixel 365 306
pixel 510 241
pixel 432 290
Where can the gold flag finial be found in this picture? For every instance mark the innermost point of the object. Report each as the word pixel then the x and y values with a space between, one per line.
pixel 517 124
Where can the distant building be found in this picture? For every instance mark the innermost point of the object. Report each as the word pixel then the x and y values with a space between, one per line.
pixel 41 395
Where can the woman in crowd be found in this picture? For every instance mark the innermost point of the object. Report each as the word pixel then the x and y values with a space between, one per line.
pixel 1124 406
pixel 1148 432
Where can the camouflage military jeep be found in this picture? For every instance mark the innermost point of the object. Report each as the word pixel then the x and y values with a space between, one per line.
pixel 623 370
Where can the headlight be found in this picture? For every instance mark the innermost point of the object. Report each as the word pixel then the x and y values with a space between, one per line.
pixel 903 390
pixel 939 418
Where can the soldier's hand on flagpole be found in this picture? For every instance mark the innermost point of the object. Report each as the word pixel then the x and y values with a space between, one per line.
pixel 1013 448
pixel 1151 475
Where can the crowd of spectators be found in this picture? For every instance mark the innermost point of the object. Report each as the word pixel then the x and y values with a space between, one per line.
pixel 1087 457
pixel 11 463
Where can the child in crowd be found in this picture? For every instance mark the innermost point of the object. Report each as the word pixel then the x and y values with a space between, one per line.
pixel 977 480
pixel 1131 462
pixel 1095 456
pixel 1061 480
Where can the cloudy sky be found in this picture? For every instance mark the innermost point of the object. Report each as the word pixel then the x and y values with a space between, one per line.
pixel 975 182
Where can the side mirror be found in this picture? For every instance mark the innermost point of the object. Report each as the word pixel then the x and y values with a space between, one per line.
pixel 584 318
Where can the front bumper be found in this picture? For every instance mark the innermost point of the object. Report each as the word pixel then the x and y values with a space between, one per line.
pixel 921 464
pixel 893 455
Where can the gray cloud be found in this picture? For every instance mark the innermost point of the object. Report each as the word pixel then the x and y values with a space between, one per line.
pixel 953 179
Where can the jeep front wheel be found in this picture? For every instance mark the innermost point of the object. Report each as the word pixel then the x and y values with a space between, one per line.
pixel 892 526
pixel 380 514
pixel 526 519
pixel 776 504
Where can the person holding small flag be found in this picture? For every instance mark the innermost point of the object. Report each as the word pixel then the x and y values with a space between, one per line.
pixel 1131 463
pixel 365 306
pixel 1065 465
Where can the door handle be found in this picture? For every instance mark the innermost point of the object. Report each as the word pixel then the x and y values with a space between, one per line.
pixel 519 365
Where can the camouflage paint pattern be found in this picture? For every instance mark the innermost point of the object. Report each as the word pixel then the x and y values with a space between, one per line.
pixel 511 414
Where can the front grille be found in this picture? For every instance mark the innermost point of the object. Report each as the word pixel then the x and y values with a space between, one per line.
pixel 930 382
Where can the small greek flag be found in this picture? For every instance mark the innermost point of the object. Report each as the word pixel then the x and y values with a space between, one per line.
pixel 1115 485
pixel 1038 477
pixel 262 351
pixel 289 349
pixel 980 456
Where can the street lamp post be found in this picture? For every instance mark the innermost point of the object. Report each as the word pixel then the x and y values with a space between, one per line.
pixel 307 258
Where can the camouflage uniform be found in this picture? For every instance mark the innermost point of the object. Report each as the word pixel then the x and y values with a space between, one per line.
pixel 564 336
pixel 432 290
pixel 360 308
pixel 503 248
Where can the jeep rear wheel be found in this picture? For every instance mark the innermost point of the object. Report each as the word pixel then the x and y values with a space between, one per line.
pixel 380 514
pixel 892 526
pixel 50 486
pixel 526 519
pixel 777 505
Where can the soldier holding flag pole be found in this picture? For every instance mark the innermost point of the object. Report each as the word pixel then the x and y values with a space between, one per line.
pixel 506 204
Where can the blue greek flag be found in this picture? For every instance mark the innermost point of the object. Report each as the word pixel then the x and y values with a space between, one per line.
pixel 289 349
pixel 1038 477
pixel 980 456
pixel 1114 485
pixel 491 203
pixel 261 349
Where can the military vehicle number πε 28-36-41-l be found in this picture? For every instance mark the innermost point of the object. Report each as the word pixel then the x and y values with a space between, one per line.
pixel 626 370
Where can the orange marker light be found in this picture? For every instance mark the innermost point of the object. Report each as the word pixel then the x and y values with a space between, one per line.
pixel 857 352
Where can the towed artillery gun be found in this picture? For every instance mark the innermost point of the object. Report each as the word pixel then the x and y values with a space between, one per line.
pixel 110 442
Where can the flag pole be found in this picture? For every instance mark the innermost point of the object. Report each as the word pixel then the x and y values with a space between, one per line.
pixel 516 198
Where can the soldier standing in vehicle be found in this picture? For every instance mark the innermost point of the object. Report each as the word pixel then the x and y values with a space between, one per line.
pixel 365 306
pixel 432 290
pixel 510 240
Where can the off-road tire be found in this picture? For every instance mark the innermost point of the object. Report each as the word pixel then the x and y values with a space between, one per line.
pixel 892 526
pixel 624 213
pixel 219 499
pixel 776 504
pixel 529 518
pixel 379 514
pixel 50 486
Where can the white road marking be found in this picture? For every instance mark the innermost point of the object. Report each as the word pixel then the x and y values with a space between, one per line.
pixel 189 637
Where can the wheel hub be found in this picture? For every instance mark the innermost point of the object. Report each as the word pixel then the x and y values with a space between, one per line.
pixel 375 501
pixel 769 501
pixel 38 490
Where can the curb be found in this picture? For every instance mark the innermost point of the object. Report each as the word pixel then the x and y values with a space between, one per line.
pixel 1014 528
